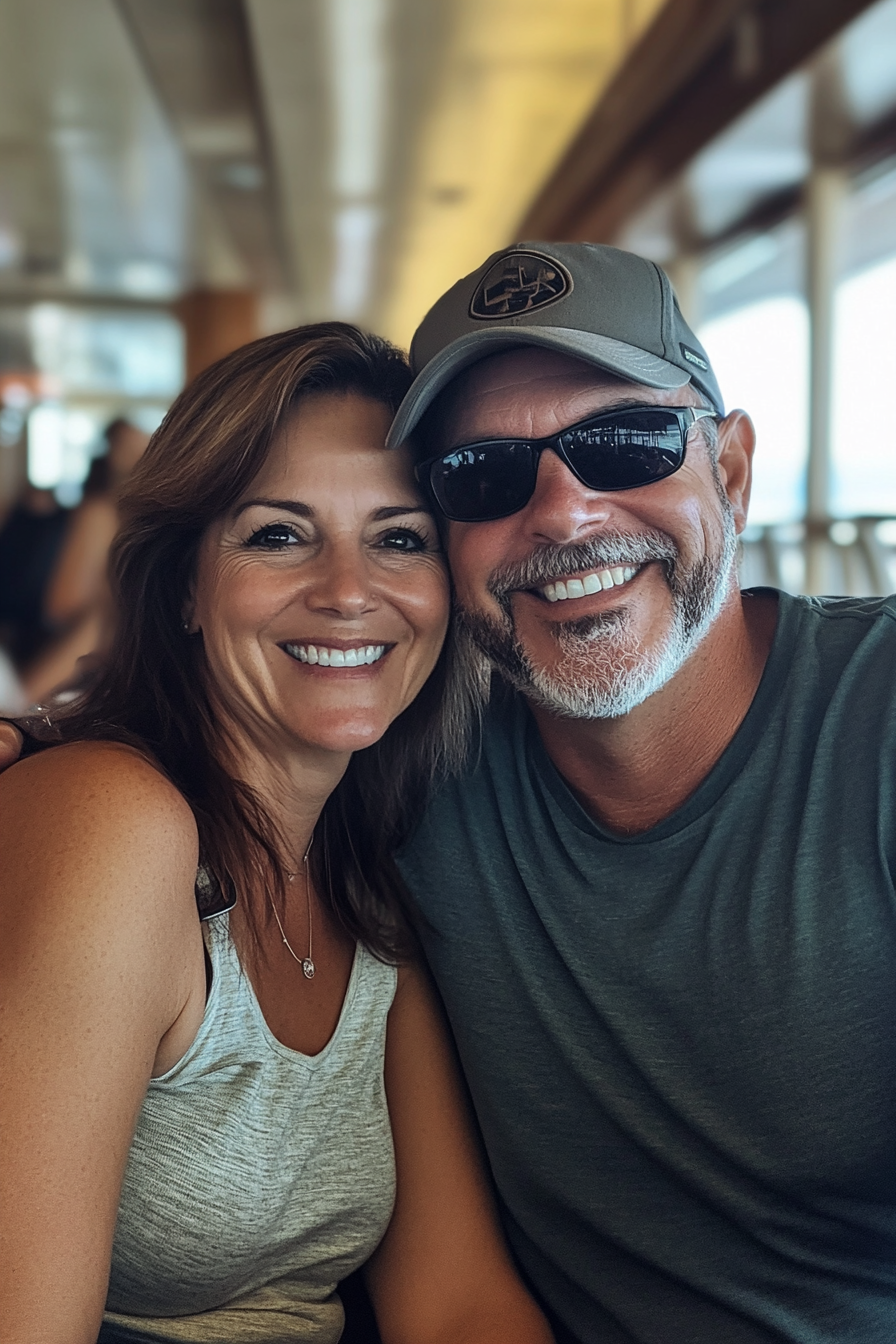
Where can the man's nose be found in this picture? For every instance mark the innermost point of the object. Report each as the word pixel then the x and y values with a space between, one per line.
pixel 561 507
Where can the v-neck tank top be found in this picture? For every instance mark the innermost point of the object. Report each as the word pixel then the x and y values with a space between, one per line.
pixel 258 1177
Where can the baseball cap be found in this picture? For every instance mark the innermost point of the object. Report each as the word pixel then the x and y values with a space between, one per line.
pixel 598 303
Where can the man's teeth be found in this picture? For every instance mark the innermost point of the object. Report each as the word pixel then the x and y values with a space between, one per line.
pixel 316 653
pixel 591 583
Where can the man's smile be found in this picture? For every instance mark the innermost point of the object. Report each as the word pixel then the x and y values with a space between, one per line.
pixel 582 585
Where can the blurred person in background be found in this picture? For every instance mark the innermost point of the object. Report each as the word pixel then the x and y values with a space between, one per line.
pixel 76 597
pixel 225 1082
pixel 31 538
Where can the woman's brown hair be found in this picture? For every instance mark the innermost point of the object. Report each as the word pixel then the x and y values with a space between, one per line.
pixel 152 692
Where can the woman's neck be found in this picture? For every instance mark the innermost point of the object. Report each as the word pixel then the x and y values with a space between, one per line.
pixel 292 782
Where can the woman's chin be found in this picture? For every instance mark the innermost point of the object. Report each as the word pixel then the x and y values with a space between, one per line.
pixel 341 738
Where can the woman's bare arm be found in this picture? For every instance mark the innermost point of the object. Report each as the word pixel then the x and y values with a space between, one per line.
pixel 442 1274
pixel 98 941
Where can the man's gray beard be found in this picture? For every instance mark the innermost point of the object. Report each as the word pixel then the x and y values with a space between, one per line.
pixel 603 672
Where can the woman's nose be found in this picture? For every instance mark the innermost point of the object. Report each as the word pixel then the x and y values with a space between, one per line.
pixel 342 584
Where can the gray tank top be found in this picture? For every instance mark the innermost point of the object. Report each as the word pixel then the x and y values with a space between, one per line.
pixel 258 1177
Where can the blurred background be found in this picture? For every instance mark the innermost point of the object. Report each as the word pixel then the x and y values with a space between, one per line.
pixel 179 176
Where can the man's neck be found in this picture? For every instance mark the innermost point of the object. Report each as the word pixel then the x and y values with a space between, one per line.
pixel 631 772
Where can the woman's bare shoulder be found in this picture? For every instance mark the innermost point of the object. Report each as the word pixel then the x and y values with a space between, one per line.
pixel 102 813
pixel 80 772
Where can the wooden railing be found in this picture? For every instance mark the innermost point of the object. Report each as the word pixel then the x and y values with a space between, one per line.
pixel 855 556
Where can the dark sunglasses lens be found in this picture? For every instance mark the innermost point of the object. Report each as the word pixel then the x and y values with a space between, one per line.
pixel 488 481
pixel 633 448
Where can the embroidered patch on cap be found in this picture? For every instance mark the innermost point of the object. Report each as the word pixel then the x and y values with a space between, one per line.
pixel 518 283
pixel 692 357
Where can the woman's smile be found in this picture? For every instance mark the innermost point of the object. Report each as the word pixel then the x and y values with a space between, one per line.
pixel 337 656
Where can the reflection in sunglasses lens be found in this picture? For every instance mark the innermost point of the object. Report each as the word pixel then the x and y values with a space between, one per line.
pixel 489 482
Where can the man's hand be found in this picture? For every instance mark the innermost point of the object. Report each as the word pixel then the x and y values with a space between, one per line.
pixel 10 745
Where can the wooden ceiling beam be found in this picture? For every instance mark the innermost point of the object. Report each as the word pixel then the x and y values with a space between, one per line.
pixel 694 71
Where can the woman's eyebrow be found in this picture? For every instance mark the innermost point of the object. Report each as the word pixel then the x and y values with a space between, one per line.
pixel 396 511
pixel 282 505
pixel 301 510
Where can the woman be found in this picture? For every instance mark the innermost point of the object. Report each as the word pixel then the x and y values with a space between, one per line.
pixel 196 1132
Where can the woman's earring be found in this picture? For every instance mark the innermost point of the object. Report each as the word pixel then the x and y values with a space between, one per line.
pixel 185 626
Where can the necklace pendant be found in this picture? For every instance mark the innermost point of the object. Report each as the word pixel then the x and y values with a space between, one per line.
pixel 308 968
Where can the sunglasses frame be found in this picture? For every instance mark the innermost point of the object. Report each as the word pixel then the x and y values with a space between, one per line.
pixel 687 417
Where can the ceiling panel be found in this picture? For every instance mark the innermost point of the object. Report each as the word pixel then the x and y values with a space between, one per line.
pixel 515 80
pixel 94 197
pixel 198 56
pixel 410 135
pixel 342 157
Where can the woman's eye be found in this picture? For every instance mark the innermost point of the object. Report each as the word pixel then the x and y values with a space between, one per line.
pixel 404 539
pixel 273 537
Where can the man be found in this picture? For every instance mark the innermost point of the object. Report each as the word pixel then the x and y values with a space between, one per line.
pixel 659 905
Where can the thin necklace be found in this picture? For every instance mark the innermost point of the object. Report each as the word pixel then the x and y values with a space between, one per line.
pixel 306 963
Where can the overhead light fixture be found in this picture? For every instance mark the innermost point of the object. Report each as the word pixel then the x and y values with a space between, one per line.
pixel 356 229
pixel 357 53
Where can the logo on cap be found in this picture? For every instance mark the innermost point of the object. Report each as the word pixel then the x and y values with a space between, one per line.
pixel 519 283
pixel 693 358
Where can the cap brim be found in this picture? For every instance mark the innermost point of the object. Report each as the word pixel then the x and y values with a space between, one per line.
pixel 637 366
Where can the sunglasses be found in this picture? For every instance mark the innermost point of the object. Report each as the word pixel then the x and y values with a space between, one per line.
pixel 617 450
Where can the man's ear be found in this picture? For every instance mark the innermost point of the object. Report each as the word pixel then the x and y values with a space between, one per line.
pixel 737 440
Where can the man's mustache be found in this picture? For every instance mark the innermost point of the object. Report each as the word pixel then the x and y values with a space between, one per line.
pixel 548 563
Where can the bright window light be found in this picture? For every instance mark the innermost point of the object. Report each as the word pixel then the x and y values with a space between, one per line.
pixel 46 446
pixel 863 435
pixel 760 354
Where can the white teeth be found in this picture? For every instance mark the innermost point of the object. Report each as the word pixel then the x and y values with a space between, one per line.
pixel 562 589
pixel 315 654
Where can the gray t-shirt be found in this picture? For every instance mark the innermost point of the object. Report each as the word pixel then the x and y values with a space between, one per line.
pixel 681 1046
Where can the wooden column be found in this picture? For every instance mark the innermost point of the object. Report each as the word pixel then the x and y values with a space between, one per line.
pixel 216 321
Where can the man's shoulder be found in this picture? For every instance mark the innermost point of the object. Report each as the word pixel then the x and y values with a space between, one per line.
pixel 865 610
pixel 828 633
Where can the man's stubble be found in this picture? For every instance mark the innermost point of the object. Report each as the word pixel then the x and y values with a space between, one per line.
pixel 602 671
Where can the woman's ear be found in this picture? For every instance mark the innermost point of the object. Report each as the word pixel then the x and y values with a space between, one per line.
pixel 737 440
